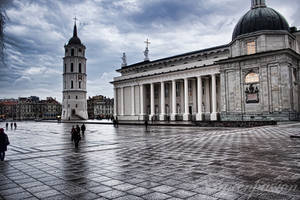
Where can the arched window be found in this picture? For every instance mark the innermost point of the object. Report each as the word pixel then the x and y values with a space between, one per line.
pixel 79 67
pixel 76 97
pixel 72 85
pixel 79 84
pixel 72 52
pixel 72 67
pixel 252 78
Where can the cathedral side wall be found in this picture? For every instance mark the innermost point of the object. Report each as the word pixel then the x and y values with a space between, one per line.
pixel 276 91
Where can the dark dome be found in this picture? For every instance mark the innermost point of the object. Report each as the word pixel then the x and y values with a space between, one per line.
pixel 74 40
pixel 257 19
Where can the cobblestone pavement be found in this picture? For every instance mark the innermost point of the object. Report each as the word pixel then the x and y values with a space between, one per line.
pixel 128 163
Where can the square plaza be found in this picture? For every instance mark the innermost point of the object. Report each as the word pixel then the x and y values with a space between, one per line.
pixel 162 163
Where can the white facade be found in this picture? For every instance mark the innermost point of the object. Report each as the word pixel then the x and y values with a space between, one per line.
pixel 74 80
pixel 253 78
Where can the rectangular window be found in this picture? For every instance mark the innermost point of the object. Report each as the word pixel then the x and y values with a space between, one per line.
pixel 79 84
pixel 72 85
pixel 177 89
pixel 190 88
pixel 72 67
pixel 155 92
pixel 251 47
pixel 167 90
pixel 79 67
pixel 72 52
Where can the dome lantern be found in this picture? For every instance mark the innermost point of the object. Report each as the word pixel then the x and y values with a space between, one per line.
pixel 258 4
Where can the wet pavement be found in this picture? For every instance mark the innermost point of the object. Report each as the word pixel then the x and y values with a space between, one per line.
pixel 129 163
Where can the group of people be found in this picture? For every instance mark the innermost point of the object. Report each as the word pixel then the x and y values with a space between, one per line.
pixel 12 124
pixel 75 134
pixel 3 144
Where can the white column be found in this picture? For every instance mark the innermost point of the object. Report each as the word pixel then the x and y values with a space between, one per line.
pixel 214 98
pixel 115 102
pixel 173 115
pixel 132 101
pixel 186 100
pixel 122 101
pixel 142 100
pixel 152 100
pixel 162 102
pixel 207 96
pixel 199 116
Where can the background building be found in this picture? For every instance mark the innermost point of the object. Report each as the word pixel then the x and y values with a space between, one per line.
pixel 50 109
pixel 254 77
pixel 30 108
pixel 100 107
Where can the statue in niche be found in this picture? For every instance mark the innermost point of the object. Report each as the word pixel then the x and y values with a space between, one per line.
pixel 252 94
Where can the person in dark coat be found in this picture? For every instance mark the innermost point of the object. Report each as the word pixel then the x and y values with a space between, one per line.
pixel 11 125
pixel 146 124
pixel 78 129
pixel 15 125
pixel 116 122
pixel 6 125
pixel 3 144
pixel 73 130
pixel 83 129
pixel 76 136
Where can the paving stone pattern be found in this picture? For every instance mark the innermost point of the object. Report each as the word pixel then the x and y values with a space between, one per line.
pixel 129 163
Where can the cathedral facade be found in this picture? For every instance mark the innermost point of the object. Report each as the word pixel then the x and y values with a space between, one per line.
pixel 253 78
pixel 74 80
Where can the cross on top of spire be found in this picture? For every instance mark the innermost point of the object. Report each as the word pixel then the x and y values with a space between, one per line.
pixel 147 43
pixel 75 19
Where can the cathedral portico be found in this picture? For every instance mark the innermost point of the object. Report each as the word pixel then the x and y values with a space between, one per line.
pixel 169 97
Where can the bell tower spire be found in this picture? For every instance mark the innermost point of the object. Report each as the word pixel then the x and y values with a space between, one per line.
pixel 258 4
pixel 75 28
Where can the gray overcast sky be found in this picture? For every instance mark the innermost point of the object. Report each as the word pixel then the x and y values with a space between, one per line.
pixel 37 30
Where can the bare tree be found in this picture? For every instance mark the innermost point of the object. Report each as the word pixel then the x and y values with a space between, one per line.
pixel 2 23
pixel 3 18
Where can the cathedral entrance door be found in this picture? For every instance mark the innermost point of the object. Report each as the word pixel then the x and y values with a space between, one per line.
pixel 190 110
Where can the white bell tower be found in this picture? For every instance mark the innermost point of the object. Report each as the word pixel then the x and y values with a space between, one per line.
pixel 74 80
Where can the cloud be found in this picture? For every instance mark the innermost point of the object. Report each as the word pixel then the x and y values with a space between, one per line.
pixel 36 32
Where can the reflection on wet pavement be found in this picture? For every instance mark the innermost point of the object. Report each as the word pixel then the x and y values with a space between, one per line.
pixel 162 163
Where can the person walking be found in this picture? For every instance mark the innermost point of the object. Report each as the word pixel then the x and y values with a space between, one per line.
pixel 11 125
pixel 78 129
pixel 83 128
pixel 146 124
pixel 76 137
pixel 117 122
pixel 15 125
pixel 6 125
pixel 73 130
pixel 3 144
